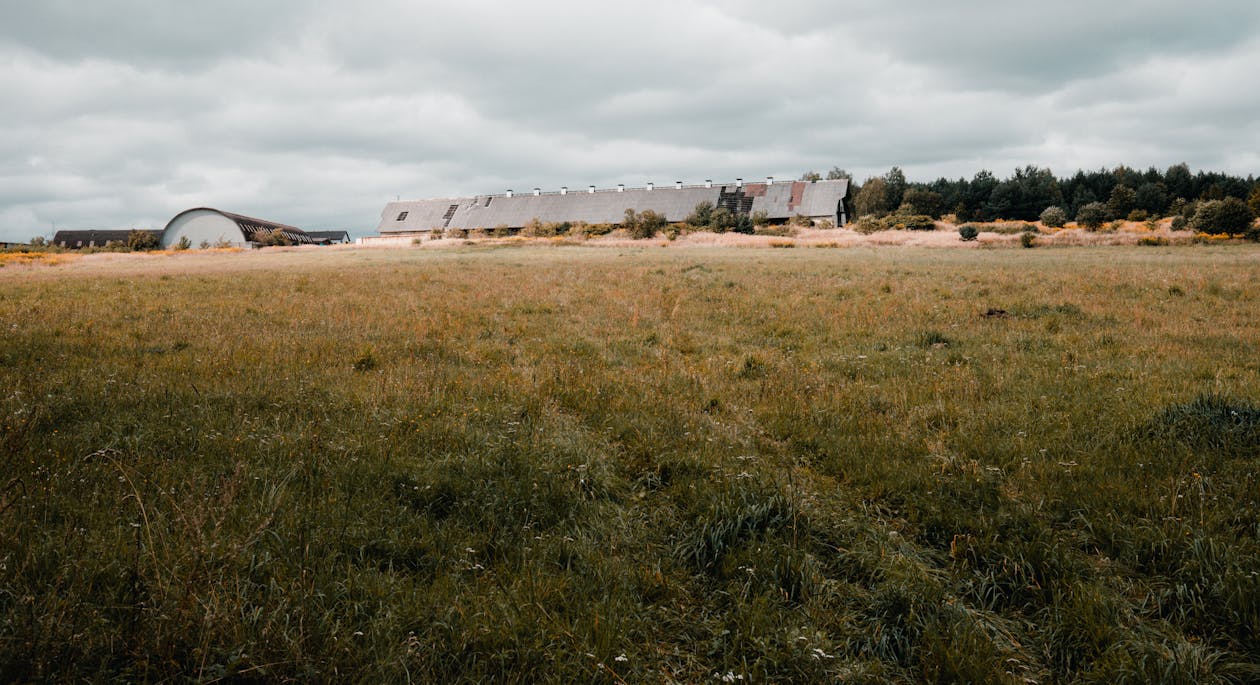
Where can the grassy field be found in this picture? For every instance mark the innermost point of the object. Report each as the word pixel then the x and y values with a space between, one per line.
pixel 633 465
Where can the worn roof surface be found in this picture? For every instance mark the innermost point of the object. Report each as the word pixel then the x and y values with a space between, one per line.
pixel 780 201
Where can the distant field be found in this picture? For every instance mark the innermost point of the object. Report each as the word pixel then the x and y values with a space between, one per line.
pixel 633 465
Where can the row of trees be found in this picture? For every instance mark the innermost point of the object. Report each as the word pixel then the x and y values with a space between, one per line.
pixel 1120 193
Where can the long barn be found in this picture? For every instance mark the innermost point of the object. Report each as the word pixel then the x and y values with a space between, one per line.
pixel 780 202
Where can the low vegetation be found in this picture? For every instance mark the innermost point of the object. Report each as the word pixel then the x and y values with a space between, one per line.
pixel 633 465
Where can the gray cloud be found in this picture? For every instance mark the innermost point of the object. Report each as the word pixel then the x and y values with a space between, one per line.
pixel 121 112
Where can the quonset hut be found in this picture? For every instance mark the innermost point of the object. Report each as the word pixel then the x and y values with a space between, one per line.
pixel 206 226
pixel 780 201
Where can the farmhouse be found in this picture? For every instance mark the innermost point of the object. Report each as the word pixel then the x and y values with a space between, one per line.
pixel 204 226
pixel 780 202
pixel 75 240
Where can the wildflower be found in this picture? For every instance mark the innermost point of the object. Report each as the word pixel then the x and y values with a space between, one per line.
pixel 621 657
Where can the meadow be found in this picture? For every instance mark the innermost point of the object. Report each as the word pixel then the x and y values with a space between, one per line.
pixel 618 465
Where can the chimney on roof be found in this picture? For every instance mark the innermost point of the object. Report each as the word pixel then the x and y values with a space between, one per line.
pixel 651 185
pixel 509 192
pixel 708 183
pixel 621 187
pixel 739 183
pixel 678 185
pixel 591 190
pixel 537 191
pixel 564 190
pixel 769 180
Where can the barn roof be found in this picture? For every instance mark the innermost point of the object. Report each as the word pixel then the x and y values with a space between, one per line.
pixel 780 201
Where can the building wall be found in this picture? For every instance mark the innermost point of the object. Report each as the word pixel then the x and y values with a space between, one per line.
pixel 202 225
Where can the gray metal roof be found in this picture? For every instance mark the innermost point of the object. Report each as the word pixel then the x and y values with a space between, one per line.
pixel 780 201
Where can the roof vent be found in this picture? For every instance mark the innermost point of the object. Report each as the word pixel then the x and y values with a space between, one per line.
pixel 708 183
pixel 739 183
pixel 509 192
pixel 564 190
pixel 591 190
pixel 769 180
pixel 651 185
pixel 621 187
pixel 678 185
pixel 537 191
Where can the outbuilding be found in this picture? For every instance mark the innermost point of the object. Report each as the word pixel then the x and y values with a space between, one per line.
pixel 777 201
pixel 206 227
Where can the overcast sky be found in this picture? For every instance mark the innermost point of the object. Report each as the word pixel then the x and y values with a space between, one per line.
pixel 120 113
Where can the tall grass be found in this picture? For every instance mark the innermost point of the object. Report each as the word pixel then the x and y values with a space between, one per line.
pixel 569 464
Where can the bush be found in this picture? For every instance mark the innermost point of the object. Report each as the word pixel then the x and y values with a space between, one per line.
pixel 910 222
pixel 183 244
pixel 1138 215
pixel 701 215
pixel 1179 223
pixel 273 239
pixel 1092 216
pixel 968 232
pixel 138 241
pixel 760 218
pixel 1054 217
pixel 1230 216
pixel 643 225
pixel 1028 240
pixel 722 220
pixel 743 224
pixel 869 224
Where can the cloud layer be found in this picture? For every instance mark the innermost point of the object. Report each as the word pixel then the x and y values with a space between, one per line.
pixel 121 113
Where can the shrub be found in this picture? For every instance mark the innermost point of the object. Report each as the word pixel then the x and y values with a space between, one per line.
pixel 645 224
pixel 1179 223
pixel 1138 215
pixel 1092 216
pixel 743 224
pixel 1028 240
pixel 722 220
pixel 826 225
pixel 273 239
pixel 760 218
pixel 1222 217
pixel 138 241
pixel 869 224
pixel 910 222
pixel 183 244
pixel 701 215
pixel 968 232
pixel 1152 241
pixel 1054 217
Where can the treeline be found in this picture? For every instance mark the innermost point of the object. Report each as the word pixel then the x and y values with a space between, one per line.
pixel 1120 193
